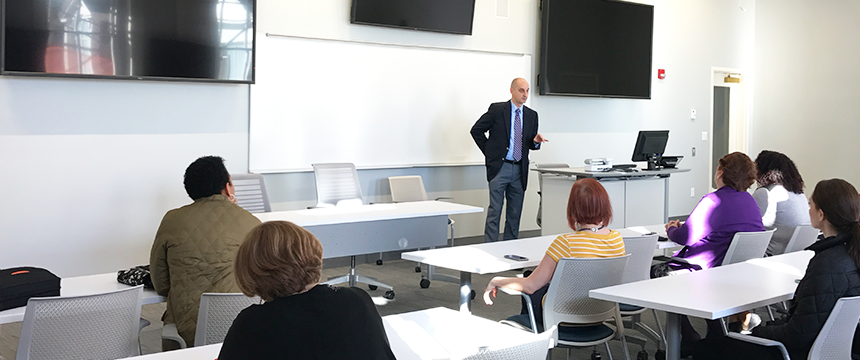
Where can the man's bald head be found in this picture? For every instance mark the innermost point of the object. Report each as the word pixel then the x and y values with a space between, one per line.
pixel 519 91
pixel 515 82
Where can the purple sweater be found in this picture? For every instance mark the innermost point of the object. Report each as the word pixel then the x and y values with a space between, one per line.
pixel 711 226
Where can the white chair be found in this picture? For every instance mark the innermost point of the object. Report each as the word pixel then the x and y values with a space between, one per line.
pixel 803 236
pixel 747 245
pixel 536 349
pixel 337 185
pixel 641 250
pixel 411 188
pixel 567 301
pixel 833 341
pixel 216 315
pixel 540 186
pixel 101 326
pixel 251 192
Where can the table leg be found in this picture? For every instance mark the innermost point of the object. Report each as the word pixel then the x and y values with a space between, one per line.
pixel 466 292
pixel 673 336
pixel 666 199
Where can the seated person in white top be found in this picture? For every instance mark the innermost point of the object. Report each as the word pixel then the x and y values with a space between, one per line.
pixel 780 197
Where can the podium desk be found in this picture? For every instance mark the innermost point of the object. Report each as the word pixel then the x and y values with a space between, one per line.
pixel 84 285
pixel 638 198
pixel 713 293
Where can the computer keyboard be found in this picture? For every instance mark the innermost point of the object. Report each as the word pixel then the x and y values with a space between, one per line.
pixel 624 166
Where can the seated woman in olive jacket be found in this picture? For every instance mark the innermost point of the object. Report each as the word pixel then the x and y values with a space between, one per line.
pixel 195 245
pixel 299 319
pixel 834 208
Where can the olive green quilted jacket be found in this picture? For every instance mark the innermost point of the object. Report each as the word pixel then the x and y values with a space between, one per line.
pixel 193 253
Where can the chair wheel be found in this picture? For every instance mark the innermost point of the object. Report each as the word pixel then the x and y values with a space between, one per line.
pixel 473 294
pixel 389 295
pixel 418 269
pixel 379 262
pixel 424 283
pixel 595 355
pixel 660 355
pixel 372 287
pixel 642 355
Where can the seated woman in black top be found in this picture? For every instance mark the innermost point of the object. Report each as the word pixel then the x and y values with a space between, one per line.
pixel 832 273
pixel 299 319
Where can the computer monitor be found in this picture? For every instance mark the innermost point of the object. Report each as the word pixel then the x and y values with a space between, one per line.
pixel 650 146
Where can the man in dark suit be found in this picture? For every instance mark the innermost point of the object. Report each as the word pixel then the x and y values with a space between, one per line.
pixel 513 129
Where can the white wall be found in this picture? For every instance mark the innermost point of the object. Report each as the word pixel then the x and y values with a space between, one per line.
pixel 806 97
pixel 90 166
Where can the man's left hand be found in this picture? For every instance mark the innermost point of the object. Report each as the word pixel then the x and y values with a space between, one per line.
pixel 540 139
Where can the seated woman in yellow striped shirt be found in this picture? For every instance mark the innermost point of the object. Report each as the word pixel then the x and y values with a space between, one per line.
pixel 588 213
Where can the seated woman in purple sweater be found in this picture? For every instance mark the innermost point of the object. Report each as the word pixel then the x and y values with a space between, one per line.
pixel 708 232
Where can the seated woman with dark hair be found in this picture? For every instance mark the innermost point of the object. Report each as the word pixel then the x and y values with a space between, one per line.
pixel 588 213
pixel 832 273
pixel 780 198
pixel 299 319
pixel 708 231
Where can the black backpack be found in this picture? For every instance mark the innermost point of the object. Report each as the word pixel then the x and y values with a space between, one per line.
pixel 17 285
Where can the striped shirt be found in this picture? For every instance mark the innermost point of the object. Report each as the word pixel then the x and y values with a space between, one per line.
pixel 583 244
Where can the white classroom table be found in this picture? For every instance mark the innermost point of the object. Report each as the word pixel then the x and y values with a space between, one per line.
pixel 84 285
pixel 713 293
pixel 432 334
pixel 488 258
pixel 367 229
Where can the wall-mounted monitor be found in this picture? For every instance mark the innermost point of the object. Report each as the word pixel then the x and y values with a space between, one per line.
pixel 446 16
pixel 195 40
pixel 599 48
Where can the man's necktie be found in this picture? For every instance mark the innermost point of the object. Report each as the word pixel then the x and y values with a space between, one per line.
pixel 518 137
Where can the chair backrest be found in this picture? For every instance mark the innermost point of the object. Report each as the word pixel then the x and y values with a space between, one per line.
pixel 836 336
pixel 407 188
pixel 535 349
pixel 567 297
pixel 251 192
pixel 803 236
pixel 216 315
pixel 100 326
pixel 641 250
pixel 336 182
pixel 747 245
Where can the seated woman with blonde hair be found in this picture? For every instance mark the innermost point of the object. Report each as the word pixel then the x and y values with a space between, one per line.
pixel 299 318
pixel 588 214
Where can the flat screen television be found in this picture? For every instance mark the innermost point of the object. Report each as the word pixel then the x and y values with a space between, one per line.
pixel 599 48
pixel 194 40
pixel 446 16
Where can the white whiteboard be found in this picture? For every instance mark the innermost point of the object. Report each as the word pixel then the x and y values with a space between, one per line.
pixel 376 106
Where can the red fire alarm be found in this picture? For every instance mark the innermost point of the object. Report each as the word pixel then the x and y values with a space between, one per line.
pixel 661 74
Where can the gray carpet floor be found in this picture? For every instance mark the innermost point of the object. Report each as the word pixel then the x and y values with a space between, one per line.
pixel 409 297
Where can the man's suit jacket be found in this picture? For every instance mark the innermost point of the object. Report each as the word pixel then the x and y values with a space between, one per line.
pixel 497 120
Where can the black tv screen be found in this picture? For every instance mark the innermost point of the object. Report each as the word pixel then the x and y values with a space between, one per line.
pixel 198 40
pixel 596 48
pixel 447 16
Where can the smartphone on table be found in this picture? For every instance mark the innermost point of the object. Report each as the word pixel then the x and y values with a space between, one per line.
pixel 516 257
